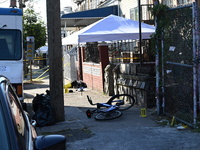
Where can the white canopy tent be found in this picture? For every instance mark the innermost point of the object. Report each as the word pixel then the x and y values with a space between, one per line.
pixel 111 28
pixel 43 49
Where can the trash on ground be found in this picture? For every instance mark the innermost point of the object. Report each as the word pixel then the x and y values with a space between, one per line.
pixel 44 114
pixel 181 127
pixel 79 85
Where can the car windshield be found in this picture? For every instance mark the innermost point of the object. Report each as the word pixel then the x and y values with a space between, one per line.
pixel 4 144
pixel 10 44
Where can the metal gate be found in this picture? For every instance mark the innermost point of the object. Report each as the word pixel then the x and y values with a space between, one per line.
pixel 177 94
pixel 70 67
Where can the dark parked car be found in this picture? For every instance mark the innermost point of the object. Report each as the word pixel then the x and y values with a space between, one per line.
pixel 16 130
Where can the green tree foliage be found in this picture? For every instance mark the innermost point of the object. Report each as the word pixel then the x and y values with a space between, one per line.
pixel 160 13
pixel 33 26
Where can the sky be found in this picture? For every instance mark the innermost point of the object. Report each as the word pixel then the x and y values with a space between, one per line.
pixel 39 5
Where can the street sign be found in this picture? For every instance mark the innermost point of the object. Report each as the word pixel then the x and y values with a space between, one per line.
pixel 30 48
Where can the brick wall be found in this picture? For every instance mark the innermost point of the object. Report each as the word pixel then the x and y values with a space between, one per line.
pixel 92 76
pixel 93 73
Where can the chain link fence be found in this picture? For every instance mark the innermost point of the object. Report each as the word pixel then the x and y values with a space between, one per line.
pixel 69 64
pixel 177 69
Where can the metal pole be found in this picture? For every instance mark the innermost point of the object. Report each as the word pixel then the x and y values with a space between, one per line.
pixel 157 71
pixel 157 79
pixel 118 7
pixel 196 57
pixel 140 35
pixel 31 72
pixel 163 75
pixel 198 51
pixel 194 65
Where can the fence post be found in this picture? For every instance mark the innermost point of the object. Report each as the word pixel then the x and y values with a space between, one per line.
pixel 157 70
pixel 81 50
pixel 196 63
pixel 104 59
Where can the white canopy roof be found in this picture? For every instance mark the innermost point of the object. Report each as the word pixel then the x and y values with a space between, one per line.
pixel 111 28
pixel 43 49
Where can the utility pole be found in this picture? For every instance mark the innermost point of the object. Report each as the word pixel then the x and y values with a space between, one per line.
pixel 55 58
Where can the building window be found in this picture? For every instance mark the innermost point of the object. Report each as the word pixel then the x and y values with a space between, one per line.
pixel 184 2
pixel 134 14
pixel 172 3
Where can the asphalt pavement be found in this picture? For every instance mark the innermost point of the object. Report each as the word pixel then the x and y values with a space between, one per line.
pixel 128 132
